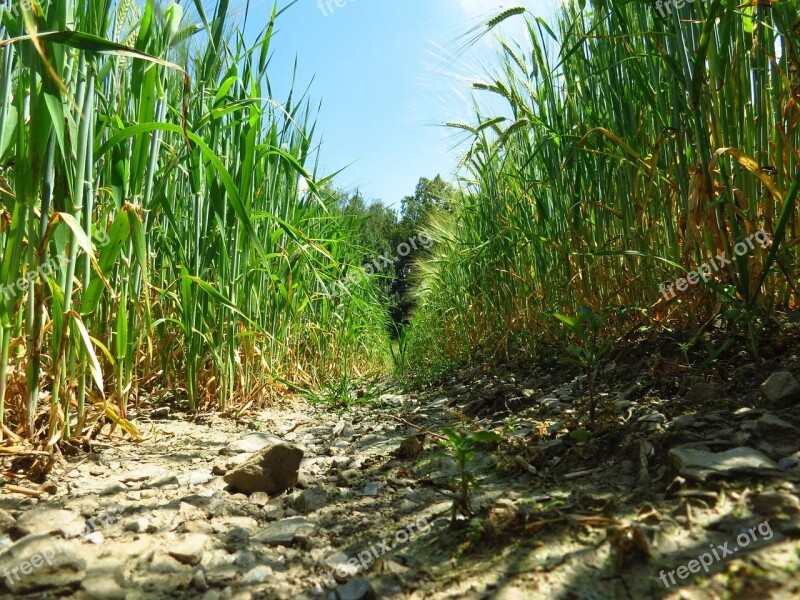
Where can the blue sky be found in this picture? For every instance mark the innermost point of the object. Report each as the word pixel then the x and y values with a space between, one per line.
pixel 387 75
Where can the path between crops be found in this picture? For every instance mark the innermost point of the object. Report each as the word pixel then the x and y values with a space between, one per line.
pixel 558 518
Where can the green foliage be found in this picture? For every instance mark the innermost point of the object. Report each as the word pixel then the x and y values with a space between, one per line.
pixel 212 285
pixel 461 444
pixel 627 150
pixel 431 195
pixel 587 329
pixel 395 244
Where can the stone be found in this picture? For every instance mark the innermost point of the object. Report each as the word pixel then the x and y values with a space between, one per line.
pixel 166 482
pixel 394 400
pixel 51 520
pixel 339 567
pixel 511 593
pixel 699 464
pixel 683 421
pixel 96 537
pixel 251 443
pixel 138 525
pixel 781 387
pixel 102 586
pixel 200 477
pixel 358 589
pixel 770 425
pixel 283 533
pixel 771 504
pixel 311 500
pixel 257 575
pixel 790 462
pixel 199 580
pixel 59 564
pixel 272 470
pixel 341 462
pixel 236 538
pixel 372 489
pixel 7 521
pixel 113 489
pixel 702 392
pixel 160 414
pixel 162 563
pixel 273 513
pixel 259 498
pixel 411 447
pixel 348 477
pixel 188 549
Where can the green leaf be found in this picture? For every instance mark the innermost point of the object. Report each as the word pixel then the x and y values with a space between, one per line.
pixel 486 436
pixel 568 321
pixel 91 43
pixel 94 364
pixel 581 435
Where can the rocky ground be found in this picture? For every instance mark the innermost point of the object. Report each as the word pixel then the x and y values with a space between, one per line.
pixel 688 489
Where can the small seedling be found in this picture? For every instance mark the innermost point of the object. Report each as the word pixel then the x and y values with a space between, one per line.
pixel 512 423
pixel 586 329
pixel 684 348
pixel 460 444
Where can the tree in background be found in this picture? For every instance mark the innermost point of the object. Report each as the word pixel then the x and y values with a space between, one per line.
pixel 378 223
pixel 382 233
pixel 430 195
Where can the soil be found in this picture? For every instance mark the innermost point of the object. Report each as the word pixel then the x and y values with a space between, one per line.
pixel 556 511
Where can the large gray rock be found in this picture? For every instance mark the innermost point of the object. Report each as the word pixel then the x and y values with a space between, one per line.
pixel 39 562
pixel 251 443
pixel 51 520
pixel 698 464
pixel 781 387
pixel 272 470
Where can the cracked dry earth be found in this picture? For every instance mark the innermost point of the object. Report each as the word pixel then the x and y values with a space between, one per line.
pixel 556 517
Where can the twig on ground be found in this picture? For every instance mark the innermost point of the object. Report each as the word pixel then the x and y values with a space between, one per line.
pixel 421 429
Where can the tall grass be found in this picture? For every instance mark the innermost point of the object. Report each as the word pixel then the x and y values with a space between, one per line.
pixel 632 149
pixel 145 149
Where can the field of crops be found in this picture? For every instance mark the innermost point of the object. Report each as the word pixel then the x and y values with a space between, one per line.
pixel 634 149
pixel 166 236
pixel 162 232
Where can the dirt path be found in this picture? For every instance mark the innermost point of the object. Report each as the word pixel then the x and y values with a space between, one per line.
pixel 555 517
